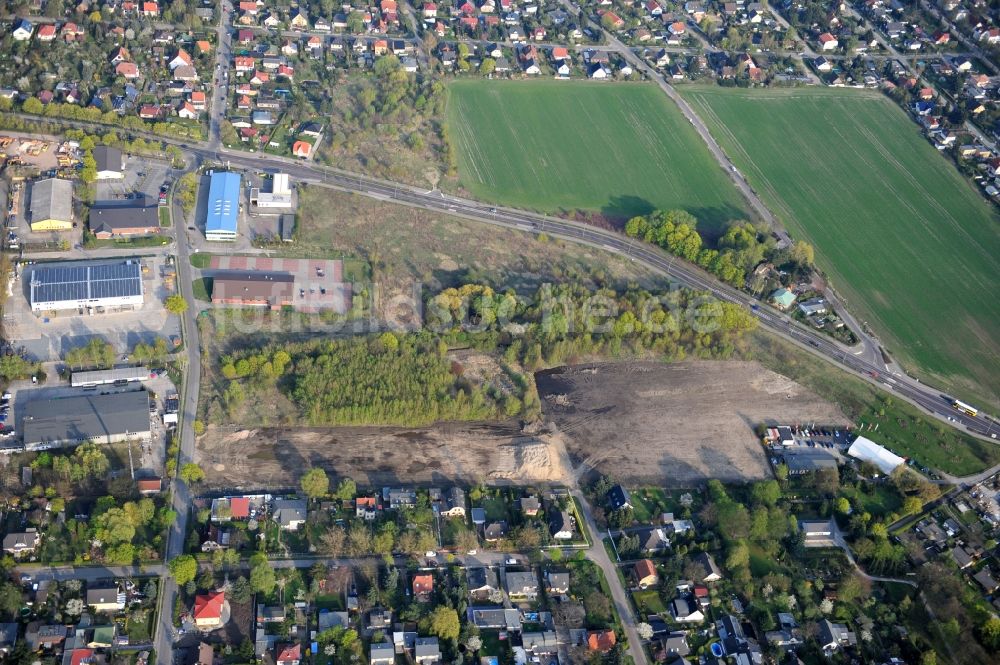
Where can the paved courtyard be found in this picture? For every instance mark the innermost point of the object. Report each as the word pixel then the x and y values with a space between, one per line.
pixel 47 338
pixel 319 283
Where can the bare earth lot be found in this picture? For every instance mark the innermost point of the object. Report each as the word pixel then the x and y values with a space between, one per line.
pixel 674 424
pixel 496 453
pixel 642 422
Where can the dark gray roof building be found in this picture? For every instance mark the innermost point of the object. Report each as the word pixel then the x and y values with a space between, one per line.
pixel 50 423
pixel 51 205
pixel 109 162
pixel 142 218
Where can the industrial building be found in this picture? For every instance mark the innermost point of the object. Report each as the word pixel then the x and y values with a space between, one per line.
pixel 67 421
pixel 223 206
pixel 139 218
pixel 254 289
pixel 104 377
pixel 110 165
pixel 51 205
pixel 279 197
pixel 93 287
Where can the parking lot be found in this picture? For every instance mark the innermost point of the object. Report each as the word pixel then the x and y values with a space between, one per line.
pixel 142 176
pixel 47 338
pixel 148 458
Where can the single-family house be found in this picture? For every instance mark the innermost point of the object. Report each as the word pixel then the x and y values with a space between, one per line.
pixel 382 653
pixel 207 612
pixel 181 59
pixel 290 514
pixel 521 585
pixel 644 572
pixel 562 525
pixel 828 42
pixel 833 636
pixel 684 611
pixel 366 507
pixel 454 503
pixel 46 33
pixel 601 640
pixel 618 497
pixel 481 581
pixel 105 598
pixel 426 651
pixel 556 583
pixel 494 531
pixel 423 585
pixel 22 543
pixel 8 638
pixel 653 539
pixel 711 572
pixel 22 30
pixel 782 298
pixel 289 654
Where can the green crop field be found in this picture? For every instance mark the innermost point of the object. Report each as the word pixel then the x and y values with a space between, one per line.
pixel 909 242
pixel 617 149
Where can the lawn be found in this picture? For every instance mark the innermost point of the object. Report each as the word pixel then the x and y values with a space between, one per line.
pixel 649 602
pixel 202 288
pixel 164 213
pixel 553 146
pixel 879 500
pixel 201 260
pixel 901 234
pixel 647 504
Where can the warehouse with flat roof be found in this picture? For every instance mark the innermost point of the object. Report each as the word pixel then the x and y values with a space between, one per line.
pixel 223 206
pixel 68 421
pixel 51 205
pixel 93 286
pixel 104 377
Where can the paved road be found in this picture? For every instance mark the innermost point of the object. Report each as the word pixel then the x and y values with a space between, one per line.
pixel 619 595
pixel 927 398
pixel 861 364
pixel 223 59
pixel 181 496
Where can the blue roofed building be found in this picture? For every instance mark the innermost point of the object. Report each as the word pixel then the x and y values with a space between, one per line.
pixel 223 206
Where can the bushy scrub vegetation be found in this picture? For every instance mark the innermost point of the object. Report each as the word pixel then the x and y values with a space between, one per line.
pixel 410 379
pixel 388 116
pixel 117 528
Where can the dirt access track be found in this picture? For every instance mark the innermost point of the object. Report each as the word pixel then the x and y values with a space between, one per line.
pixel 641 422
pixel 674 424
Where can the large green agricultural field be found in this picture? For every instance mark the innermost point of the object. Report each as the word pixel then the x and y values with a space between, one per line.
pixel 909 242
pixel 615 149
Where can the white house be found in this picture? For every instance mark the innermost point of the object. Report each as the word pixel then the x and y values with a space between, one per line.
pixel 22 30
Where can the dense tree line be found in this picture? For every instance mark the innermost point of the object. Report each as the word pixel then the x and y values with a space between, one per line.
pixel 177 128
pixel 737 251
pixel 95 354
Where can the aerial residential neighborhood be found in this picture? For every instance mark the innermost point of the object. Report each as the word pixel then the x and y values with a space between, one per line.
pixel 499 332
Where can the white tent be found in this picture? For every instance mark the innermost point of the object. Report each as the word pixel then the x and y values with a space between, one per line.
pixel 869 451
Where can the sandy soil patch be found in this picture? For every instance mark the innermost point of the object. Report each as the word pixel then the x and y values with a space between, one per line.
pixel 674 424
pixel 496 453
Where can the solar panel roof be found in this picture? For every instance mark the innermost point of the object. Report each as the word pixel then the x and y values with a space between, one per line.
pixel 86 282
